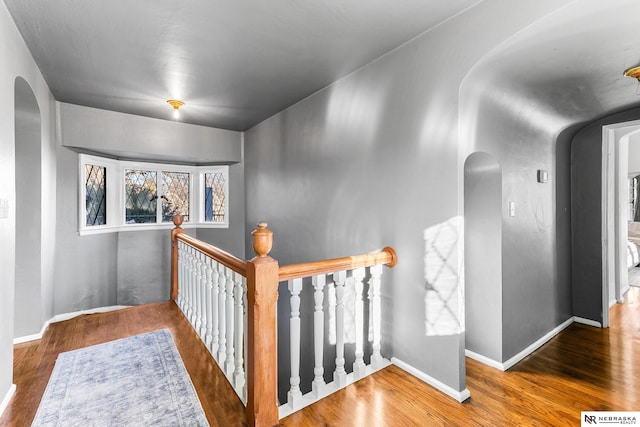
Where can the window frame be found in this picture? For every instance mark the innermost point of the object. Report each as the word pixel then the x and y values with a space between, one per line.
pixel 115 191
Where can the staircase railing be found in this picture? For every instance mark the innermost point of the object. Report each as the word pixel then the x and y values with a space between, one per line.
pixel 231 304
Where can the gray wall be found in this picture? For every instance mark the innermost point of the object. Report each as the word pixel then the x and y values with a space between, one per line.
pixel 516 119
pixel 483 274
pixel 128 136
pixel 634 155
pixel 28 211
pixel 536 291
pixel 131 267
pixel 16 61
pixel 586 215
pixel 374 160
pixel 86 267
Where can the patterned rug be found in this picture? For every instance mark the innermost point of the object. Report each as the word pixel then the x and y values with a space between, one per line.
pixel 139 381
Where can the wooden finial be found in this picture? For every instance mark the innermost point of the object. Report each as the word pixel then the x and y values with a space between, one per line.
pixel 262 240
pixel 177 220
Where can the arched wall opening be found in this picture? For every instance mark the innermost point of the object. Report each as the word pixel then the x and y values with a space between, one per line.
pixel 483 255
pixel 28 171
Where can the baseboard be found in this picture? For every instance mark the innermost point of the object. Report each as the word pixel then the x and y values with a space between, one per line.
pixel 460 396
pixel 622 292
pixel 587 322
pixel 503 366
pixel 537 344
pixel 63 317
pixel 7 398
pixel 484 359
pixel 32 337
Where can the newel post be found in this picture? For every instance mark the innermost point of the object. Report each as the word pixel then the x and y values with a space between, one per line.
pixel 262 358
pixel 177 221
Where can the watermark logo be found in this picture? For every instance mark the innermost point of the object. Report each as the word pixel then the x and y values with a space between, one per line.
pixel 610 418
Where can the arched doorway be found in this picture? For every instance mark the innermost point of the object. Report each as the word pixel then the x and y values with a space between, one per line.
pixel 28 152
pixel 483 255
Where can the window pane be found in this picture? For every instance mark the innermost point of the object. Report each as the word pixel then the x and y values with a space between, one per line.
pixel 140 189
pixel 95 194
pixel 214 197
pixel 175 195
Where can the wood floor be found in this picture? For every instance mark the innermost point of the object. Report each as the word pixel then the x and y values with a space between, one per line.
pixel 582 368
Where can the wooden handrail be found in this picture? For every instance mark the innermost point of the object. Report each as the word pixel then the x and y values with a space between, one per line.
pixel 225 258
pixel 386 256
pixel 262 275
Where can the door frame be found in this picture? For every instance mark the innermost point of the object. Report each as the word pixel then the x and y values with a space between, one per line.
pixel 614 227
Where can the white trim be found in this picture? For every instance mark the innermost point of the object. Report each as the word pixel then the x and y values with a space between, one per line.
pixel 460 396
pixel 7 398
pixel 587 322
pixel 524 353
pixel 613 261
pixel 33 337
pixel 622 292
pixel 310 398
pixel 607 234
pixel 65 316
pixel 537 344
pixel 484 359
pixel 115 213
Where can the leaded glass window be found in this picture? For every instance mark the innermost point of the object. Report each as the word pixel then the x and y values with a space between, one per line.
pixel 95 194
pixel 214 197
pixel 141 193
pixel 175 195
pixel 137 195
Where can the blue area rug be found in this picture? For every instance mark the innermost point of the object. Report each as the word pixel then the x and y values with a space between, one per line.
pixel 137 381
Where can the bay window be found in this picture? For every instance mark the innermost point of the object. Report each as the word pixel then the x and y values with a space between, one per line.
pixel 123 195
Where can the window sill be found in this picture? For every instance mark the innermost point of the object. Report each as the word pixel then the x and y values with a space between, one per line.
pixel 89 231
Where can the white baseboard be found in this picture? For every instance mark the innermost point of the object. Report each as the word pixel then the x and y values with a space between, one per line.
pixel 7 398
pixel 484 359
pixel 587 322
pixel 63 317
pixel 32 337
pixel 460 396
pixel 539 343
pixel 503 366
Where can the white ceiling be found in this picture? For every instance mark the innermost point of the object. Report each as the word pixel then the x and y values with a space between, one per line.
pixel 233 63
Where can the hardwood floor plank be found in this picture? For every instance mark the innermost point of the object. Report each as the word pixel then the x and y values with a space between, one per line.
pixel 582 368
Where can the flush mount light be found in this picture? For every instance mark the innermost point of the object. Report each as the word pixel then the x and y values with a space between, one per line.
pixel 633 72
pixel 175 104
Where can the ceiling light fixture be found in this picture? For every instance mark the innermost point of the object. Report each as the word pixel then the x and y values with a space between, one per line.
pixel 175 104
pixel 635 73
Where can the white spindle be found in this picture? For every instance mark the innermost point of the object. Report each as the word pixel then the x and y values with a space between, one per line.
pixel 191 280
pixel 215 334
pixel 318 387
pixel 201 283
pixel 209 296
pixel 376 314
pixel 245 304
pixel 295 395
pixel 229 359
pixel 340 375
pixel 196 286
pixel 181 284
pixel 222 318
pixel 238 373
pixel 359 367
